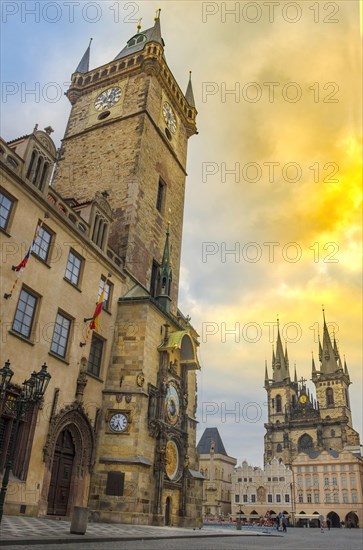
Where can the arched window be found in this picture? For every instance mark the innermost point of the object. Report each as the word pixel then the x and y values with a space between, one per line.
pixel 278 403
pixel 279 448
pixel 329 392
pixel 44 175
pixel 31 164
pixel 305 443
pixel 294 401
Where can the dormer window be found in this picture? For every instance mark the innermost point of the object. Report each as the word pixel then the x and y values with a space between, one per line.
pixel 137 39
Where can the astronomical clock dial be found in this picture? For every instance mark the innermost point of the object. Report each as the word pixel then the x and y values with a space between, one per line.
pixel 169 117
pixel 303 399
pixel 172 405
pixel 108 98
pixel 118 422
pixel 172 460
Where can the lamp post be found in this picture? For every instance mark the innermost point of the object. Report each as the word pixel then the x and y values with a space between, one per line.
pixel 33 391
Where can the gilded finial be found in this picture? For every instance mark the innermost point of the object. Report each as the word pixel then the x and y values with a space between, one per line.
pixel 139 25
pixel 157 14
pixel 90 41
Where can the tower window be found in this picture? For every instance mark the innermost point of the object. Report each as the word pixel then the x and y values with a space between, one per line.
pixel 161 196
pixel 279 448
pixel 329 397
pixel 154 278
pixel 305 443
pixel 278 403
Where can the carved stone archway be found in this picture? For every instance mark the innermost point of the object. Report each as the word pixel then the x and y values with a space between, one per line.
pixel 75 420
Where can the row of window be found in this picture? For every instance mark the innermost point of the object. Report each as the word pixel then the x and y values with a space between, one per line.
pixel 24 320
pixel 252 498
pixel 327 481
pixel 328 498
pixel 327 468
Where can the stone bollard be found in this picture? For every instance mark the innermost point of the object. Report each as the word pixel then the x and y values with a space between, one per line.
pixel 79 520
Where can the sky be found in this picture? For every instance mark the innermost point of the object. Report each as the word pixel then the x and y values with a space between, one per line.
pixel 273 212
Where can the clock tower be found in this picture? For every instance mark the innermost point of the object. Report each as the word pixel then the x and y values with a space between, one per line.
pixel 127 139
pixel 127 135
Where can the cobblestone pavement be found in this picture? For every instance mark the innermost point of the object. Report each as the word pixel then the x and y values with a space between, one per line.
pixel 26 530
pixel 295 539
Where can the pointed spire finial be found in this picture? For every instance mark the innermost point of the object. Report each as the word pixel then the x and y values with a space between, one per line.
pixel 83 66
pixel 189 95
pixel 139 25
pixel 157 14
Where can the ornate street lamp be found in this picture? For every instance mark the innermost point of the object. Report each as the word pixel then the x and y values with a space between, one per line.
pixel 6 375
pixel 32 393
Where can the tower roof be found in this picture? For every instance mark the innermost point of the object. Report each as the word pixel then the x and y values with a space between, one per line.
pixel 330 359
pixel 280 366
pixel 209 435
pixel 189 95
pixel 83 66
pixel 138 41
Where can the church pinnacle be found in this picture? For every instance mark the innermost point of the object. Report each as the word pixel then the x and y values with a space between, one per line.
pixel 189 95
pixel 280 360
pixel 83 66
pixel 328 355
pixel 165 275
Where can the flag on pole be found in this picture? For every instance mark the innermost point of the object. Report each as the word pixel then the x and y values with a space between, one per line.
pixel 94 320
pixel 22 265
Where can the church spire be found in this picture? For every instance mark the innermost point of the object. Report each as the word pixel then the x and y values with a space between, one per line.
pixel 281 368
pixel 329 360
pixel 83 66
pixel 266 376
pixel 189 95
pixel 165 276
pixel 295 374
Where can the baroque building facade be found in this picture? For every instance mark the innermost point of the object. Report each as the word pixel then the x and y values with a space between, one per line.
pixel 117 428
pixel 258 492
pixel 217 468
pixel 329 485
pixel 298 421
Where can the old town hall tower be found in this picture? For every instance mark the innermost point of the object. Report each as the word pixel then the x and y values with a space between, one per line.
pixel 296 420
pixel 127 140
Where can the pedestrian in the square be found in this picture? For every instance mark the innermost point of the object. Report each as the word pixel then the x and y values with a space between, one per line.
pixel 284 525
pixel 328 523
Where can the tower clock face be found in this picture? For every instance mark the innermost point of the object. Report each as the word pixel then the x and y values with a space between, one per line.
pixel 169 117
pixel 172 405
pixel 172 460
pixel 108 98
pixel 118 422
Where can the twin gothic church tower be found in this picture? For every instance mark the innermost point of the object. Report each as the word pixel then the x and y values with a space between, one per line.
pixel 297 422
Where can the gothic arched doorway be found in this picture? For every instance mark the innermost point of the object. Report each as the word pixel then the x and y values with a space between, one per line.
pixel 334 519
pixel 168 511
pixel 61 478
pixel 351 520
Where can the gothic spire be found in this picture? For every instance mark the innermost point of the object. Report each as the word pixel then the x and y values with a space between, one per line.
pixel 281 370
pixel 295 375
pixel 189 95
pixel 83 66
pixel 266 376
pixel 329 362
pixel 313 368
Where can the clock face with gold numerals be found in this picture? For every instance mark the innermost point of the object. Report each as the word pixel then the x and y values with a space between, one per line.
pixel 169 117
pixel 303 399
pixel 172 459
pixel 172 405
pixel 108 98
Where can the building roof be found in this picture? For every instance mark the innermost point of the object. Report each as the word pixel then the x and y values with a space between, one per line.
pixel 204 445
pixel 138 41
pixel 315 454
